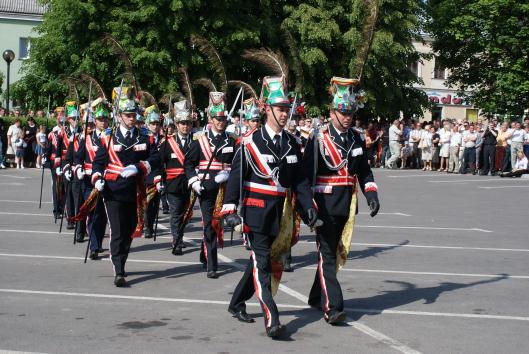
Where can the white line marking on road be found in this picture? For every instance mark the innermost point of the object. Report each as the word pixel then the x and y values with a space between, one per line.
pixel 501 187
pixel 440 247
pixel 36 232
pixel 422 228
pixel 393 343
pixel 3 351
pixel 254 304
pixel 467 180
pixel 406 176
pixel 23 201
pixel 11 176
pixel 11 184
pixel 506 276
pixel 17 255
pixel 396 214
pixel 24 214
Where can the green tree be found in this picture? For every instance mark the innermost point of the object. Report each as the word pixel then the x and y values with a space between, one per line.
pixel 485 44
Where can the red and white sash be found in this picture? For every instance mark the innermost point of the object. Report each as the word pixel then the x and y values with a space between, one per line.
pixel 272 188
pixel 115 166
pixel 172 173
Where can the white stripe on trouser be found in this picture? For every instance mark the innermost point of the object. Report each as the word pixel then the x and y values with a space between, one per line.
pixel 109 237
pixel 322 283
pixel 259 291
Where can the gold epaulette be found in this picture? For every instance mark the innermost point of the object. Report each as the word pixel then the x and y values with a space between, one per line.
pixel 198 135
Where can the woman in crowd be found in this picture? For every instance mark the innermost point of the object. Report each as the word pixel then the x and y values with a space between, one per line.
pixel 436 148
pixel 444 135
pixel 13 134
pixel 30 133
pixel 41 145
pixel 519 168
pixel 501 146
pixel 425 144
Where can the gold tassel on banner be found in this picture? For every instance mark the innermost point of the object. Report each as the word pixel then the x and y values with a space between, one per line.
pixel 151 193
pixel 344 244
pixel 282 243
pixel 88 206
pixel 216 223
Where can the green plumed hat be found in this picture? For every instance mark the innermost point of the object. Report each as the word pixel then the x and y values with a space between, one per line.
pixel 127 106
pixel 151 116
pixel 251 111
pixel 100 108
pixel 216 105
pixel 71 109
pixel 344 99
pixel 273 92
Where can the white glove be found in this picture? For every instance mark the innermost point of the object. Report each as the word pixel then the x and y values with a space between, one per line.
pixel 58 171
pixel 222 176
pixel 197 187
pixel 129 171
pixel 68 175
pixel 99 185
pixel 159 186
pixel 80 173
pixel 43 160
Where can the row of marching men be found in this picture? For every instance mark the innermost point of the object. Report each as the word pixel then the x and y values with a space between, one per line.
pixel 259 183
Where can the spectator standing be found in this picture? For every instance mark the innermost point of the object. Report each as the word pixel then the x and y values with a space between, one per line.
pixel 2 134
pixel 394 144
pixel 436 148
pixel 479 145
pixel 526 140
pixel 489 150
pixel 444 139
pixel 384 139
pixel 415 138
pixel 455 145
pixel 507 165
pixel 501 146
pixel 469 143
pixel 20 151
pixel 13 133
pixel 425 146
pixel 41 145
pixel 517 137
pixel 30 134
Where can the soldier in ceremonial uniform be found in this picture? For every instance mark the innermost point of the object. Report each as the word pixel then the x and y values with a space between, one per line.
pixel 97 130
pixel 211 152
pixel 339 161
pixel 118 171
pixel 173 153
pixel 153 130
pixel 69 137
pixel 52 157
pixel 271 170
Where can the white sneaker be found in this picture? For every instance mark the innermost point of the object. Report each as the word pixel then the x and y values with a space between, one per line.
pixel 2 165
pixel 22 167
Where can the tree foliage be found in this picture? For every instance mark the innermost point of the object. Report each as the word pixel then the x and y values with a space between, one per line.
pixel 318 38
pixel 485 44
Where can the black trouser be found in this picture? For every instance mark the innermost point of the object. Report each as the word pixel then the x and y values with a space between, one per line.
pixel 326 290
pixel 257 279
pixel 151 211
pixel 517 173
pixel 78 198
pixel 415 158
pixel 69 203
pixel 507 160
pixel 122 218
pixel 177 209
pixel 469 158
pixel 96 221
pixel 56 193
pixel 165 202
pixel 208 252
pixel 489 159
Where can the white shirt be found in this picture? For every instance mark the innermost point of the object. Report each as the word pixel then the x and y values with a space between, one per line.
pixel 444 136
pixel 526 137
pixel 272 133
pixel 467 135
pixel 415 136
pixel 517 136
pixel 124 130
pixel 521 164
pixel 456 139
pixel 394 133
pixel 41 137
pixel 508 133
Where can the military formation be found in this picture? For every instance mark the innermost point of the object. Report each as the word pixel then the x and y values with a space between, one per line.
pixel 260 179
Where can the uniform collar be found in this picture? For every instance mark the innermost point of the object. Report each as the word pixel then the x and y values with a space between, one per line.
pixel 272 133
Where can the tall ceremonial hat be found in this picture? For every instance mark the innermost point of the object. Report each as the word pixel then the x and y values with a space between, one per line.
pixel 101 108
pixel 128 106
pixel 151 116
pixel 216 105
pixel 60 114
pixel 71 110
pixel 273 92
pixel 251 111
pixel 344 98
pixel 182 111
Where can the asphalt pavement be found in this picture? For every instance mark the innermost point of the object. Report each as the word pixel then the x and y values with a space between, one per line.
pixel 444 268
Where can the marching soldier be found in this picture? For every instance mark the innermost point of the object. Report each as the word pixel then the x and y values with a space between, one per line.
pixel 271 170
pixel 173 153
pixel 153 130
pixel 69 137
pixel 211 152
pixel 118 171
pixel 97 220
pixel 339 160
pixel 52 156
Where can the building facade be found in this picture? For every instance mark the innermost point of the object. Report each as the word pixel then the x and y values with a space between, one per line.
pixel 447 103
pixel 18 19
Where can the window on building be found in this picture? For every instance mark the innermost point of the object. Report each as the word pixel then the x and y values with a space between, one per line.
pixel 414 67
pixel 439 71
pixel 437 113
pixel 24 48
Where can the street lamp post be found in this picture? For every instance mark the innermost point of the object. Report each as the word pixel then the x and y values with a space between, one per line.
pixel 8 56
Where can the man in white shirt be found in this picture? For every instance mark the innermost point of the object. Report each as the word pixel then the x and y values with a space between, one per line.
pixel 394 144
pixel 517 137
pixel 455 144
pixel 415 137
pixel 469 156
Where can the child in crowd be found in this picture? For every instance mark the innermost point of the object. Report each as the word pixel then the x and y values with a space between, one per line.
pixel 21 146
pixel 41 145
